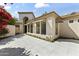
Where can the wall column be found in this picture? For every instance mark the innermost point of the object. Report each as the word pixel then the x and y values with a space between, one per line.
pixel 40 27
pixel 34 27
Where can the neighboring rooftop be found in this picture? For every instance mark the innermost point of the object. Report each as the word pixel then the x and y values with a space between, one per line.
pixel 71 15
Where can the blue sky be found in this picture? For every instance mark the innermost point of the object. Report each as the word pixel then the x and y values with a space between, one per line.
pixel 40 8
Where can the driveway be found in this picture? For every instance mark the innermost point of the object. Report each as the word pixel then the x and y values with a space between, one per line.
pixel 26 45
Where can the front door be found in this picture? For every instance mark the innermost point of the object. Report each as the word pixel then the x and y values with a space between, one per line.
pixel 25 29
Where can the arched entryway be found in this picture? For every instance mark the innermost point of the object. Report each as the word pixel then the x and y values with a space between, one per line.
pixel 25 19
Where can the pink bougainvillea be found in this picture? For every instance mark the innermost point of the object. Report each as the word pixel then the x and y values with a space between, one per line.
pixel 5 17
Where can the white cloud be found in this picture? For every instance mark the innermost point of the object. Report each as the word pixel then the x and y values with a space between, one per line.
pixel 7 7
pixel 40 5
pixel 2 4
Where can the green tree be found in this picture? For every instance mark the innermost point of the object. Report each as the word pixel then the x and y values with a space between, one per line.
pixel 12 21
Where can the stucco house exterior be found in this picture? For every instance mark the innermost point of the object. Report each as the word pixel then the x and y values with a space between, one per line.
pixel 70 26
pixel 49 26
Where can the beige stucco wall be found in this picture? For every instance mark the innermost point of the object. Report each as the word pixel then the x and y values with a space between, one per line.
pixel 70 30
pixel 65 31
pixel 56 36
pixel 17 30
pixel 50 27
pixel 11 29
pixel 75 27
pixel 21 16
pixel 34 27
pixel 21 28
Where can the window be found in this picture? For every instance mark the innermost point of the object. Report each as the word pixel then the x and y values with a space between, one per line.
pixel 70 21
pixel 43 27
pixel 38 27
pixel 30 28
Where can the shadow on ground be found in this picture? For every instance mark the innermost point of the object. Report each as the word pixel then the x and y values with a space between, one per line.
pixel 19 35
pixel 6 40
pixel 68 40
pixel 9 39
pixel 14 52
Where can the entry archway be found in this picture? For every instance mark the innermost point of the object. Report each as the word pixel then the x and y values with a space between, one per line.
pixel 25 19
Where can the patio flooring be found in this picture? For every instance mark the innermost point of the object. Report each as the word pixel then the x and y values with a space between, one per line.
pixel 21 43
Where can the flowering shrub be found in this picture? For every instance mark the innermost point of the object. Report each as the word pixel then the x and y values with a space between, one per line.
pixel 5 17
